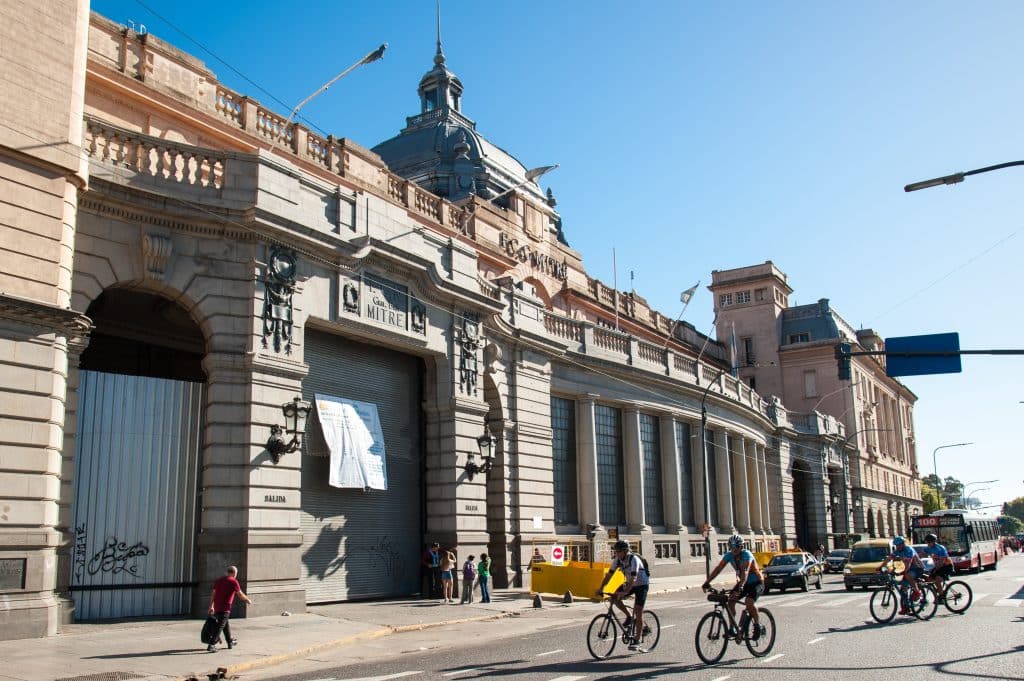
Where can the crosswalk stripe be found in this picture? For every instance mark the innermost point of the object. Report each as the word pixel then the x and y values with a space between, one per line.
pixel 836 602
pixel 772 658
pixel 1008 603
pixel 796 603
pixel 550 652
pixel 460 671
pixel 399 675
pixel 815 640
pixel 568 678
pixel 722 678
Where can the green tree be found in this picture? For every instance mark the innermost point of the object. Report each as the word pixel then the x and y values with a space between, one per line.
pixel 1010 525
pixel 1015 508
pixel 930 497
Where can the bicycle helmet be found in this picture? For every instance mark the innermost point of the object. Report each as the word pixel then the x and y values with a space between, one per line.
pixel 621 545
pixel 735 542
pixel 930 537
pixel 898 540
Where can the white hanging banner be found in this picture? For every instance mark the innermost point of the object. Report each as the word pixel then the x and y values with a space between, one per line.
pixel 356 442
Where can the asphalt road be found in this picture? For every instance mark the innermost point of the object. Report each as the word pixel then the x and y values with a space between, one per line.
pixel 822 635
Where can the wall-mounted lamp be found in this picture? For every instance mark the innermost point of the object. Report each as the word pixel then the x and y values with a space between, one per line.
pixel 485 443
pixel 295 413
pixel 835 501
pixel 857 503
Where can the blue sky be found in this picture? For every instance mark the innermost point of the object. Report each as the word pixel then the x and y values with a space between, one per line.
pixel 700 136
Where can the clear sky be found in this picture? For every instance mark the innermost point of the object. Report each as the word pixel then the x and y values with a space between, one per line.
pixel 701 136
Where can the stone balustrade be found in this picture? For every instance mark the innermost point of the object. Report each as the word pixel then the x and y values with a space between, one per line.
pixel 586 338
pixel 136 154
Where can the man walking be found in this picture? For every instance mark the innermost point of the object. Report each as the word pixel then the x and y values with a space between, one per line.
pixel 221 598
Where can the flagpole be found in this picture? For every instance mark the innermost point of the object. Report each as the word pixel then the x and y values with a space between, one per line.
pixel 615 285
pixel 686 297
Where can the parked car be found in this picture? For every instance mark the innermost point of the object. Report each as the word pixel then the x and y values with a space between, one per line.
pixel 836 560
pixel 791 570
pixel 929 563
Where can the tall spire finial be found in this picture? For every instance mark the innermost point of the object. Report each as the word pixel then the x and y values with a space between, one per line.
pixel 439 57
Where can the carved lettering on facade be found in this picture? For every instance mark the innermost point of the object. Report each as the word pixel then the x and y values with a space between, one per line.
pixel 525 253
pixel 12 573
pixel 274 498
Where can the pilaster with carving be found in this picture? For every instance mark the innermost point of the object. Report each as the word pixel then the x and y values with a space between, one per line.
pixel 279 287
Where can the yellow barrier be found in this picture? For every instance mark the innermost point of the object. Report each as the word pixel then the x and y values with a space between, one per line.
pixel 765 557
pixel 581 578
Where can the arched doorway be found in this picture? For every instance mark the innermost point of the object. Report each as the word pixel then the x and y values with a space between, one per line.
pixel 141 401
pixel 801 497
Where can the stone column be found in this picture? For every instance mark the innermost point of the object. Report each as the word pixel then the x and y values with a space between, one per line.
pixel 766 512
pixel 586 463
pixel 725 521
pixel 753 459
pixel 634 471
pixel 670 473
pixel 697 453
pixel 740 487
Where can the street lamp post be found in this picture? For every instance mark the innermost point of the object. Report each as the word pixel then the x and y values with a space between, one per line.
pixel 935 467
pixel 957 177
pixel 977 491
pixel 704 450
pixel 371 57
pixel 964 496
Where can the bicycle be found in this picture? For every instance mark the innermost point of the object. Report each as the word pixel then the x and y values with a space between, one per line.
pixel 713 633
pixel 884 602
pixel 956 594
pixel 606 629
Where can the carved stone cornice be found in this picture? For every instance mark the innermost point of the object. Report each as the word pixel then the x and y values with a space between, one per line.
pixel 75 325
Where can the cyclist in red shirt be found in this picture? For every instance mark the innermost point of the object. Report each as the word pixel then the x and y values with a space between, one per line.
pixel 223 594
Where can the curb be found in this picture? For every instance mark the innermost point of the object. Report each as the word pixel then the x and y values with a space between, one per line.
pixel 234 669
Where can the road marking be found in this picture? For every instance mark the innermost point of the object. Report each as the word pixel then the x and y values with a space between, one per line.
pixel 460 671
pixel 721 678
pixel 550 652
pixel 815 640
pixel 568 678
pixel 835 603
pixel 387 676
pixel 796 603
pixel 1008 603
pixel 667 626
pixel 772 658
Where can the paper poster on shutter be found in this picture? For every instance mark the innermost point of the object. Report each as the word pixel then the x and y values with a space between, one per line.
pixel 355 439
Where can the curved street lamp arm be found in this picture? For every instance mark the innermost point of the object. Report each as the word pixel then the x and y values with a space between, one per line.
pixel 958 177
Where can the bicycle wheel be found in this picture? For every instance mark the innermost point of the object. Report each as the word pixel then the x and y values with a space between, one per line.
pixel 601 636
pixel 883 604
pixel 652 631
pixel 766 641
pixel 957 596
pixel 924 607
pixel 710 638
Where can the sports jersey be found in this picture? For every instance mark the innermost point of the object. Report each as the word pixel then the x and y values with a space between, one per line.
pixel 633 568
pixel 753 575
pixel 938 551
pixel 908 556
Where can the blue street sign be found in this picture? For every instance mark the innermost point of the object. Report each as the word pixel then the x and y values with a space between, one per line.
pixel 937 353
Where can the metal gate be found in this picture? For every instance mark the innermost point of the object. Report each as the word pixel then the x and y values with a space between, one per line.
pixel 136 461
pixel 356 543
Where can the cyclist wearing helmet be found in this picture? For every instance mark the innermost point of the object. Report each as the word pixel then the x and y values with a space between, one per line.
pixel 749 580
pixel 943 563
pixel 912 568
pixel 636 584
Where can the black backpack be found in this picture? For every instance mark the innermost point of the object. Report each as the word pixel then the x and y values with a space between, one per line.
pixel 647 568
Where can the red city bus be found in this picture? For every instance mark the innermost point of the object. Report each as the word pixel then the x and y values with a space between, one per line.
pixel 972 539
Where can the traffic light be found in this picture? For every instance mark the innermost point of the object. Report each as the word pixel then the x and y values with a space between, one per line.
pixel 843 351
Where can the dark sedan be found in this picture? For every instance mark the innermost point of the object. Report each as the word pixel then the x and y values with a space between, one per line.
pixel 790 570
pixel 836 560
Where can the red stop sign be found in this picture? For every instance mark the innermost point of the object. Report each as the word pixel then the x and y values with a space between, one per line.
pixel 556 553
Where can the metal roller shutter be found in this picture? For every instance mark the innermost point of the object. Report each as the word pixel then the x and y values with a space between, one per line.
pixel 355 543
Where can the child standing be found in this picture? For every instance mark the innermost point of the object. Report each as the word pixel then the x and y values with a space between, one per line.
pixel 468 577
pixel 484 570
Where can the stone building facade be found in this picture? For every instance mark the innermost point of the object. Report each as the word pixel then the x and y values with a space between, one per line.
pixel 180 266
pixel 856 465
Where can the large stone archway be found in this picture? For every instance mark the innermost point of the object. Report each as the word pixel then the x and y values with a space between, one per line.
pixel 802 496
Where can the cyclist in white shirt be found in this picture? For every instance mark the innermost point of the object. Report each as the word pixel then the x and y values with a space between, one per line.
pixel 637 584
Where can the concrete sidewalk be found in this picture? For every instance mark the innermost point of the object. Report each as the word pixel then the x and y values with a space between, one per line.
pixel 170 649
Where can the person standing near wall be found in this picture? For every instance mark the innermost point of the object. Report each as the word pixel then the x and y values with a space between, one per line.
pixel 221 598
pixel 447 578
pixel 483 571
